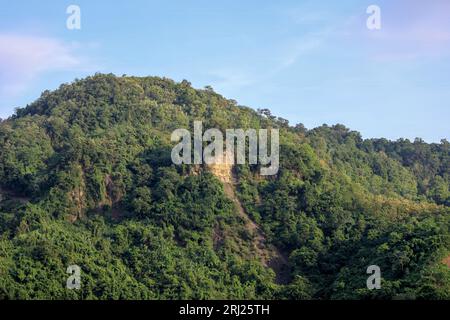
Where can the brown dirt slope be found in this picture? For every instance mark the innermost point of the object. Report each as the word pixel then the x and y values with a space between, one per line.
pixel 269 255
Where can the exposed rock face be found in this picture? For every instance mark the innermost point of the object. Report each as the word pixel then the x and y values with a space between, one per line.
pixel 222 171
pixel 447 261
pixel 80 205
pixel 77 197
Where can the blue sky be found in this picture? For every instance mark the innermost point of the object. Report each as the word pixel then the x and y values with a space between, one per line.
pixel 312 62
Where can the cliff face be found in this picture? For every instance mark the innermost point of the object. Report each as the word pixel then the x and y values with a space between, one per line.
pixel 223 171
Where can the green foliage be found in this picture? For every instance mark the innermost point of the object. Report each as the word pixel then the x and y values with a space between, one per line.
pixel 86 178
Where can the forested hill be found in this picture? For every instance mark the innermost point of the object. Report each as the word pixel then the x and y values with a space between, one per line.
pixel 86 178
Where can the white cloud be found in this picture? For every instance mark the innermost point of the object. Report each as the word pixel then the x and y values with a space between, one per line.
pixel 23 58
pixel 300 48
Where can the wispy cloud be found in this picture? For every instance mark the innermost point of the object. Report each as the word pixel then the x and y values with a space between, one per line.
pixel 226 78
pixel 300 48
pixel 24 58
pixel 276 60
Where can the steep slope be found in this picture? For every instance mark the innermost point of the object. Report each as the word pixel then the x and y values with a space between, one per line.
pixel 268 254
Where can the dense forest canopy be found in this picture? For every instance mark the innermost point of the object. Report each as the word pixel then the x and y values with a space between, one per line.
pixel 86 179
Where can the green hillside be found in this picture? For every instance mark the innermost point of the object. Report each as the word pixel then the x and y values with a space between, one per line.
pixel 86 178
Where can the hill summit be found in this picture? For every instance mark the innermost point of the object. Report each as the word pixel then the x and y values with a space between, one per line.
pixel 87 179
